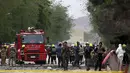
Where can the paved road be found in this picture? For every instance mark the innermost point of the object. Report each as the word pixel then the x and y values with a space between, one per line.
pixel 113 64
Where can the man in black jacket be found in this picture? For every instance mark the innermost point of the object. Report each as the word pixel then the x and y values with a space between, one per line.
pixel 87 54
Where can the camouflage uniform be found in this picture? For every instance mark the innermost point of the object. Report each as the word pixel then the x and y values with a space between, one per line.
pixel 65 55
pixel 12 55
pixel 72 54
pixel 3 56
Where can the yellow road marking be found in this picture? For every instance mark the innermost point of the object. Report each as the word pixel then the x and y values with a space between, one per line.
pixel 61 71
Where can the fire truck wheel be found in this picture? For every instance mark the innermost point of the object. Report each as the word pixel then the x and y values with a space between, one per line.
pixel 40 62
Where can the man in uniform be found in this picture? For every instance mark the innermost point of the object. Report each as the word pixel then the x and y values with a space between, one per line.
pixel 72 55
pixel 65 55
pixel 77 57
pixel 87 55
pixel 3 55
pixel 53 54
pixel 12 55
pixel 81 52
pixel 100 52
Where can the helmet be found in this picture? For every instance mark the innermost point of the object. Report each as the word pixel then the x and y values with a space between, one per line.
pixel 52 45
pixel 123 45
pixel 90 45
pixel 87 43
pixel 23 46
pixel 75 44
pixel 7 46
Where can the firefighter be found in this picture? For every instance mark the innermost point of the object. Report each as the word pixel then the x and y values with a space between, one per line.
pixel 22 52
pixel 12 55
pixel 3 55
pixel 91 46
pixel 65 55
pixel 53 54
pixel 126 60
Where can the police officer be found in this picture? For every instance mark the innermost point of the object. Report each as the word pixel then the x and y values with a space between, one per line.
pixel 100 53
pixel 65 55
pixel 12 55
pixel 3 55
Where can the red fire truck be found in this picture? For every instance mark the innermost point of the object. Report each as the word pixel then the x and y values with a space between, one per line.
pixel 34 50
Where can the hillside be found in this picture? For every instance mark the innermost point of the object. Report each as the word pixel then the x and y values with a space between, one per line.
pixel 82 31
pixel 82 23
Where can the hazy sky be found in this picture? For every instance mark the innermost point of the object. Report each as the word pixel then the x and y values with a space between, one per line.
pixel 77 7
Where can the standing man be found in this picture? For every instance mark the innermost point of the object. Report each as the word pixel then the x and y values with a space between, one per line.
pixel 72 54
pixel 58 51
pixel 65 55
pixel 100 52
pixel 81 52
pixel 3 55
pixel 49 54
pixel 12 55
pixel 126 59
pixel 120 54
pixel 53 54
pixel 87 55
pixel 77 57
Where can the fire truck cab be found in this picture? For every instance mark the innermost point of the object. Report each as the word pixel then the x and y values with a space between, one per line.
pixel 34 46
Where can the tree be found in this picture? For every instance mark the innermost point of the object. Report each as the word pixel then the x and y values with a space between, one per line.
pixel 60 23
pixel 5 9
pixel 111 19
pixel 42 14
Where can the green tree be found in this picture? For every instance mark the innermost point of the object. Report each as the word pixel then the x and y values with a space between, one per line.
pixel 60 23
pixel 110 19
pixel 42 14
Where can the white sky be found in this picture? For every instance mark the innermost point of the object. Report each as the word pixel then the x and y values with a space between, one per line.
pixel 77 7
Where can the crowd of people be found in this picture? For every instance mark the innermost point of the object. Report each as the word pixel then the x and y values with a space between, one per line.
pixel 95 54
pixel 74 55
